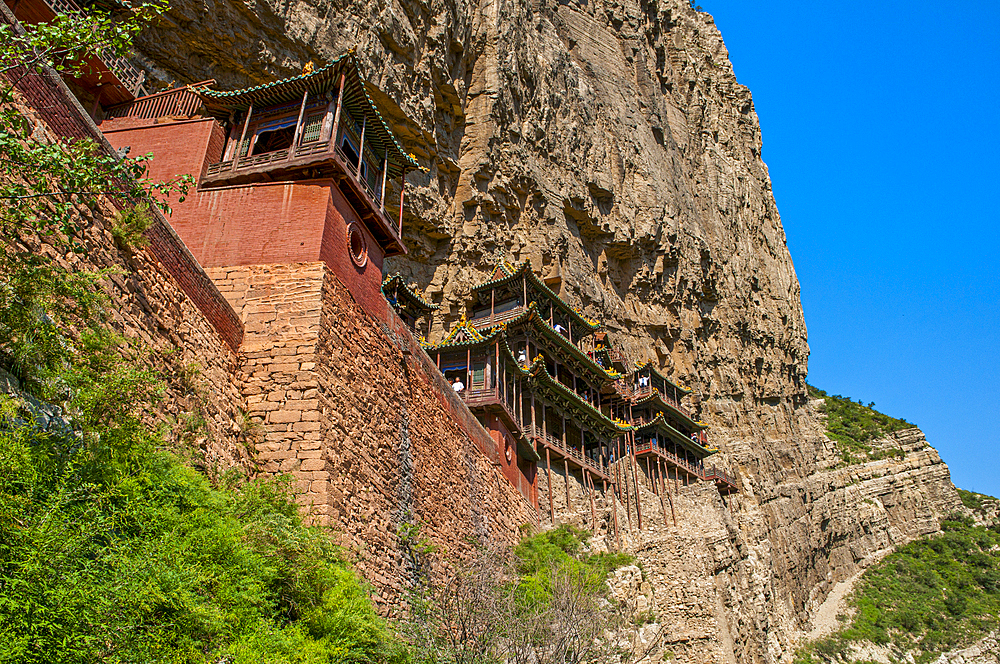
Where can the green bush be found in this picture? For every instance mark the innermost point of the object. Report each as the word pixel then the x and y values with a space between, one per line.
pixel 854 426
pixel 930 596
pixel 111 551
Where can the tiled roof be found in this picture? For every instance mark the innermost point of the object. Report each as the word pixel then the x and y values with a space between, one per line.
pixel 656 398
pixel 473 336
pixel 660 424
pixel 356 100
pixel 504 272
pixel 643 365
pixel 531 315
pixel 538 372
pixel 396 284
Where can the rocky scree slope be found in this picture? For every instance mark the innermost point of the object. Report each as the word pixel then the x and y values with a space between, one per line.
pixel 610 144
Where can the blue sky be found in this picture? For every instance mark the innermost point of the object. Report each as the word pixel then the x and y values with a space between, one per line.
pixel 882 136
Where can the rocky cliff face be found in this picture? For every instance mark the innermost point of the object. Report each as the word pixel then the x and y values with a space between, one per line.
pixel 610 144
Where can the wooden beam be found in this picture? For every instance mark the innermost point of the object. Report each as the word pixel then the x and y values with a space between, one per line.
pixel 548 466
pixel 361 149
pixel 243 135
pixel 635 479
pixel 566 466
pixel 402 187
pixel 614 512
pixel 298 125
pixel 593 508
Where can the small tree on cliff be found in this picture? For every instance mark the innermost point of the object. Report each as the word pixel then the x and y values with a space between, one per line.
pixel 545 602
pixel 50 190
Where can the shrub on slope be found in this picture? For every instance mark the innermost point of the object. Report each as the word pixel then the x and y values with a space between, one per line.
pixel 930 596
pixel 111 551
pixel 855 426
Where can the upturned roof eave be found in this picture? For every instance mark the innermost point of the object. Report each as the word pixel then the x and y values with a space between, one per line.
pixel 531 316
pixel 660 424
pixel 228 100
pixel 657 398
pixel 420 302
pixel 524 269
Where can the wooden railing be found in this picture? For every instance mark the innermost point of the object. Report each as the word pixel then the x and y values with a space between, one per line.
pixel 721 476
pixel 176 102
pixel 642 392
pixel 130 75
pixel 696 469
pixel 490 396
pixel 495 319
pixel 547 439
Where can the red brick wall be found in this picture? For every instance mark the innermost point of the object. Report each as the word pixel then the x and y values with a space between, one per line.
pixel 51 102
pixel 179 148
pixel 365 283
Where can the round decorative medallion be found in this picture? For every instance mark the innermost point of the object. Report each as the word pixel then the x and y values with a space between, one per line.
pixel 357 246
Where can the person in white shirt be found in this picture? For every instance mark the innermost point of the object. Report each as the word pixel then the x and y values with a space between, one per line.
pixel 458 385
pixel 560 329
pixel 522 357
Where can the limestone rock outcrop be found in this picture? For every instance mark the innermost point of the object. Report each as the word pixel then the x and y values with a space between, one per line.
pixel 610 144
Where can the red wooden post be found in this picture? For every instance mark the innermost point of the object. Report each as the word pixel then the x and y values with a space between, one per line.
pixel 402 186
pixel 336 116
pixel 243 135
pixel 298 125
pixel 548 466
pixel 385 173
pixel 361 148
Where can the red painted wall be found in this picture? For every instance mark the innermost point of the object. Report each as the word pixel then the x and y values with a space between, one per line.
pixel 254 224
pixel 364 283
pixel 503 439
pixel 185 147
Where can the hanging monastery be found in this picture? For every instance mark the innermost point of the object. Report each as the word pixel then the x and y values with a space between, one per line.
pixel 299 198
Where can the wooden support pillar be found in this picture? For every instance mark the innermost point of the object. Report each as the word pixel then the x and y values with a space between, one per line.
pixel 533 429
pixel 627 502
pixel 97 102
pixel 298 125
pixel 361 149
pixel 243 135
pixel 402 189
pixel 548 466
pixel 635 478
pixel 614 513
pixel 385 174
pixel 566 466
pixel 593 508
pixel 335 127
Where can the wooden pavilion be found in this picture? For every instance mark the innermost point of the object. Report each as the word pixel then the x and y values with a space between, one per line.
pixel 411 307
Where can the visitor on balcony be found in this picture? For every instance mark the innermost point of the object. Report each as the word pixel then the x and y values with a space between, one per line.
pixel 458 385
pixel 522 357
pixel 560 329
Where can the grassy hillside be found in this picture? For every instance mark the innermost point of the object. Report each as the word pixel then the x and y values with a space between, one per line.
pixel 854 426
pixel 111 551
pixel 928 597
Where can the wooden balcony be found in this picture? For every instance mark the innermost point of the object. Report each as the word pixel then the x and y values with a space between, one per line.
pixel 595 466
pixel 647 448
pixel 116 77
pixel 490 398
pixel 724 482
pixel 314 160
